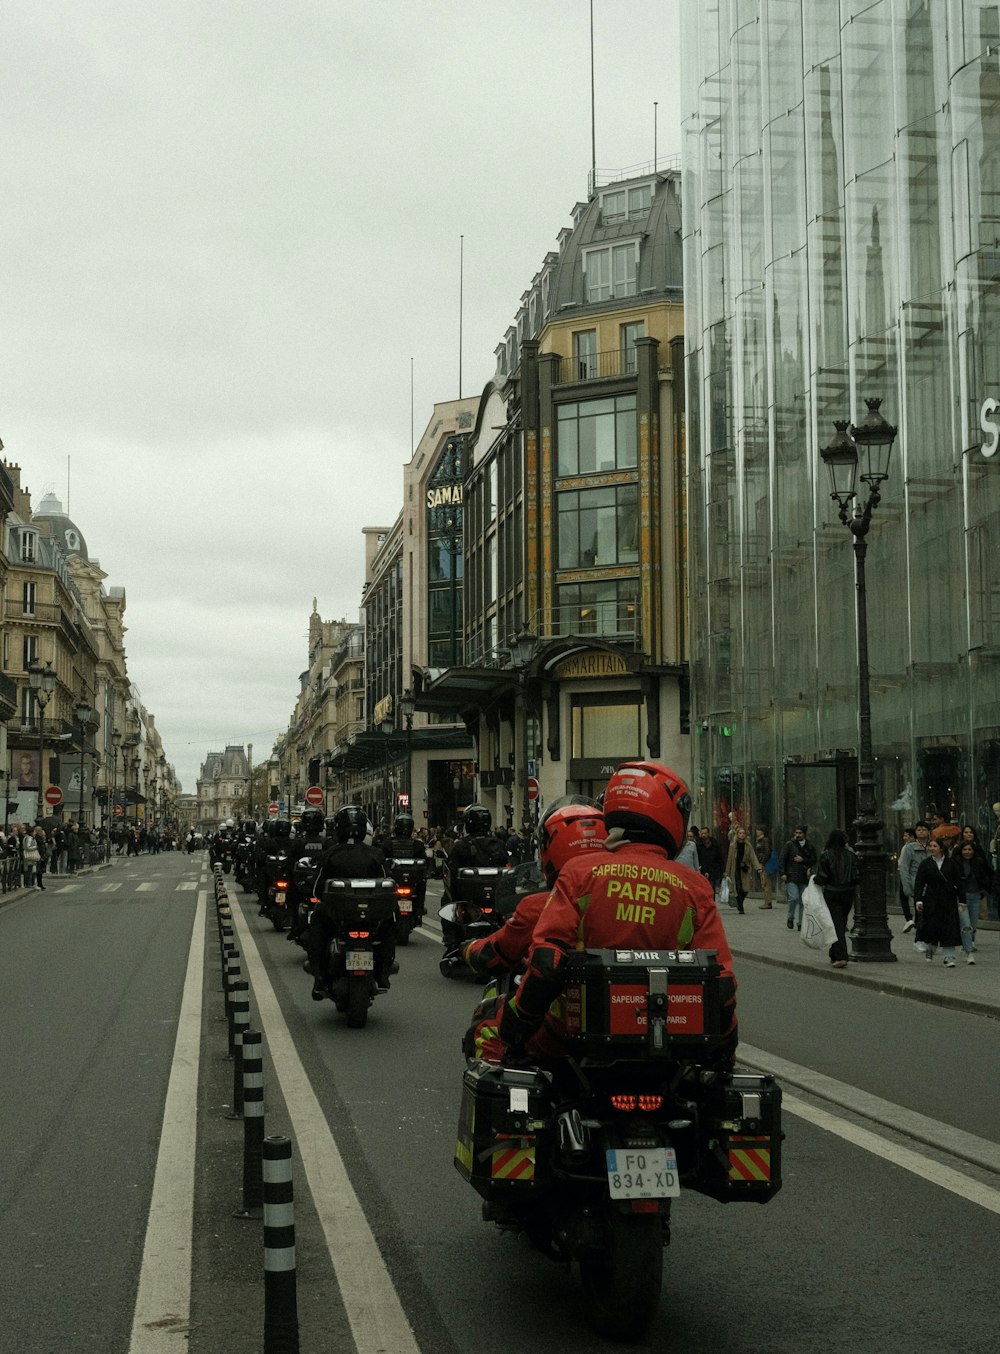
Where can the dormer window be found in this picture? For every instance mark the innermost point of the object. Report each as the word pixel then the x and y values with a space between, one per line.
pixel 29 544
pixel 626 204
pixel 612 271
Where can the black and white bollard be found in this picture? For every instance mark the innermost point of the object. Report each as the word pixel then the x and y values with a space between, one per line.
pixel 239 1012
pixel 281 1316
pixel 253 1123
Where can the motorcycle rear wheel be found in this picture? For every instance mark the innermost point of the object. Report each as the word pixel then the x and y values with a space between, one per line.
pixel 403 932
pixel 622 1284
pixel 357 1002
pixel 279 921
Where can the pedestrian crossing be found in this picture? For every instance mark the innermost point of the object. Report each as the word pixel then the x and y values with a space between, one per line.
pixel 185 886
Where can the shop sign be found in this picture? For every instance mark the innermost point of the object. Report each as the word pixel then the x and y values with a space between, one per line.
pixel 382 711
pixel 444 496
pixel 591 663
pixel 596 768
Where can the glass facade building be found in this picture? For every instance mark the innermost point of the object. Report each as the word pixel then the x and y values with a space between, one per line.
pixel 841 224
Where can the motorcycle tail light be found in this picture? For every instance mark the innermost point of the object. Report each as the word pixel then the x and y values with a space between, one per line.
pixel 650 1103
pixel 403 892
pixel 314 900
pixel 281 884
pixel 359 935
pixel 487 911
pixel 624 1102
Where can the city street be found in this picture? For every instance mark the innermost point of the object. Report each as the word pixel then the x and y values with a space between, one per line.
pixel 882 1239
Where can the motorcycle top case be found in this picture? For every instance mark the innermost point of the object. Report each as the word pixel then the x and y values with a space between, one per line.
pixel 639 1004
pixel 485 886
pixel 501 1127
pixel 360 902
pixel 740 1125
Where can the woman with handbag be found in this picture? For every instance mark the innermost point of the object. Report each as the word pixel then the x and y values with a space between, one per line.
pixel 30 857
pixel 837 874
pixel 741 866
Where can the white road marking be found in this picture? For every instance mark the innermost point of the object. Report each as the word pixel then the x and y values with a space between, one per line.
pixel 931 1132
pixel 109 888
pixel 186 884
pixel 146 888
pixel 161 1323
pixel 378 1323
pixel 932 1171
pixel 431 935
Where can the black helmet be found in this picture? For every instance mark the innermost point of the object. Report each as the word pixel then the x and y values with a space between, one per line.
pixel 248 826
pixel 403 826
pixel 311 821
pixel 282 827
pixel 476 820
pixel 350 824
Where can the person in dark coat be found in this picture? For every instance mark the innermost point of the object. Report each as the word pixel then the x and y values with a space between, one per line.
pixel 938 898
pixel 796 860
pixel 837 874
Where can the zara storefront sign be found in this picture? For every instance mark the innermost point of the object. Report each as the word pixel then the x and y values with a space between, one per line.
pixel 990 424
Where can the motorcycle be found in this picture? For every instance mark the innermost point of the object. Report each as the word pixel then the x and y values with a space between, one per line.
pixel 226 858
pixel 587 1159
pixel 359 908
pixel 274 904
pixel 410 878
pixel 304 898
pixel 485 900
pixel 243 864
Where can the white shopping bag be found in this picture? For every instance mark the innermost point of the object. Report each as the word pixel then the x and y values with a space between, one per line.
pixel 818 930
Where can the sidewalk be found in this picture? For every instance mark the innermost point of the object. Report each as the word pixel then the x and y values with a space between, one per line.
pixel 763 936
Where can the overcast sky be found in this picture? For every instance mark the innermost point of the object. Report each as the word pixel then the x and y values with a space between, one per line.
pixel 226 231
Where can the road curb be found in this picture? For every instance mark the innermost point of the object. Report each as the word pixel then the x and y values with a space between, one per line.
pixel 956 1002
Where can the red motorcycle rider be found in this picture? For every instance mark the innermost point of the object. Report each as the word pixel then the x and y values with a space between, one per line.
pixel 630 895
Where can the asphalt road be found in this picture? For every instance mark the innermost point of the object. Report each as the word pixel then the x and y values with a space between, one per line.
pixel 856 1253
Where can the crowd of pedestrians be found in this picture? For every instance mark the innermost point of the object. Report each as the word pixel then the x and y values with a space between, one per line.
pixel 947 879
pixel 30 852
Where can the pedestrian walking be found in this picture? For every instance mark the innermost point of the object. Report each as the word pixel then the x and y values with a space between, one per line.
pixel 710 859
pixel 29 859
pixel 795 861
pixel 975 879
pixel 911 857
pixel 42 847
pixel 742 865
pixel 838 874
pixel 768 867
pixel 938 898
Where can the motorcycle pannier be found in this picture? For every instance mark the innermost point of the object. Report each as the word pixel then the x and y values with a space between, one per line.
pixel 741 1129
pixel 642 1003
pixel 503 1116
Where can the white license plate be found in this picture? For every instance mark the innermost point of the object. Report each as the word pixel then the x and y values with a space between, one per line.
pixel 635 1173
pixel 405 905
pixel 358 959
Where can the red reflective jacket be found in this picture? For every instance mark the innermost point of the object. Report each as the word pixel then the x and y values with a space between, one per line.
pixel 635 897
pixel 509 946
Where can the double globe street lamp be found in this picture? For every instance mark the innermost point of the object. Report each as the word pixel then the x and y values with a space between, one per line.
pixel 43 683
pixel 873 439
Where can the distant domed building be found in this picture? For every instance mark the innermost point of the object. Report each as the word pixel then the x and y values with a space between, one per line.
pixel 60 526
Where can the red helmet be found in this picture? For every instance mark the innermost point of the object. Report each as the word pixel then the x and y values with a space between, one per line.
pixel 649 803
pixel 569 828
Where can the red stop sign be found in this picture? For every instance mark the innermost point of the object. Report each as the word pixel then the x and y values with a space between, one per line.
pixel 272 809
pixel 53 795
pixel 314 795
pixel 532 788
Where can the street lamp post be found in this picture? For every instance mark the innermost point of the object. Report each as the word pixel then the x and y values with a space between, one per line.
pixel 407 708
pixel 85 718
pixel 136 763
pixel 116 742
pixel 522 651
pixel 388 727
pixel 43 683
pixel 871 939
